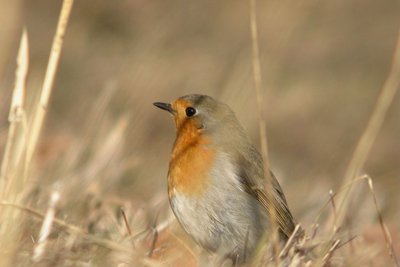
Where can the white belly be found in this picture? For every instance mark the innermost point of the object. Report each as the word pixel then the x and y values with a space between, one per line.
pixel 224 218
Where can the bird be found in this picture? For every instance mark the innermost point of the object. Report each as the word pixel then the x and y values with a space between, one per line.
pixel 216 185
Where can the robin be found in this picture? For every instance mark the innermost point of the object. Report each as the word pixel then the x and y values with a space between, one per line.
pixel 215 180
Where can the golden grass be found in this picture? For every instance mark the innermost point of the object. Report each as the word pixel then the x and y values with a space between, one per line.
pixel 21 144
pixel 55 53
pixel 364 146
pixel 261 122
pixel 368 137
pixel 13 168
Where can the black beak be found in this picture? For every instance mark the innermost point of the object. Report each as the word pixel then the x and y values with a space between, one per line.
pixel 164 106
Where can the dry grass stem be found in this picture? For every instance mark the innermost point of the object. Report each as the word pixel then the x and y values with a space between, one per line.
pixel 258 83
pixel 261 121
pixel 334 211
pixel 291 241
pixel 72 229
pixel 23 138
pixel 40 112
pixel 15 146
pixel 369 135
pixel 385 230
pixel 46 227
pixel 366 141
pixel 18 98
pixel 153 242
pixel 128 228
pixel 328 255
pixel 12 170
pixel 165 224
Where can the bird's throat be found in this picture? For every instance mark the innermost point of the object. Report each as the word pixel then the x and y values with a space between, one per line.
pixel 191 162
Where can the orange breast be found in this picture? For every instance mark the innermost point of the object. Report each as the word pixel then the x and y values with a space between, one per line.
pixel 191 161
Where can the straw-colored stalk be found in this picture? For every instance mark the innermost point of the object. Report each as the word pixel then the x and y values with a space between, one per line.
pixel 363 148
pixel 23 138
pixel 261 122
pixel 15 144
pixel 40 111
pixel 46 227
pixel 12 172
pixel 369 135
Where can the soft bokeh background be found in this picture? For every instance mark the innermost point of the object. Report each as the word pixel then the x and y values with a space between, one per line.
pixel 323 65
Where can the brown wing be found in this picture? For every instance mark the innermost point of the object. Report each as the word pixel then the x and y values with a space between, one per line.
pixel 275 202
pixel 276 206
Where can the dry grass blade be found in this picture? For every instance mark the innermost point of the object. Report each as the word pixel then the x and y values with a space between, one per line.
pixel 334 210
pixel 368 137
pixel 75 230
pixel 22 139
pixel 128 228
pixel 153 242
pixel 18 98
pixel 40 112
pixel 165 224
pixel 261 122
pixel 328 255
pixel 291 241
pixel 15 146
pixel 46 227
pixel 385 230
pixel 12 172
pixel 70 228
pixel 258 82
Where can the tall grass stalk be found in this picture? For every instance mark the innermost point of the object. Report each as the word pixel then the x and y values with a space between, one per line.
pixel 362 150
pixel 40 111
pixel 370 133
pixel 24 130
pixel 261 122
pixel 12 168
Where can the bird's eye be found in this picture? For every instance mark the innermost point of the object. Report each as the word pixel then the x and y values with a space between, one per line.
pixel 190 111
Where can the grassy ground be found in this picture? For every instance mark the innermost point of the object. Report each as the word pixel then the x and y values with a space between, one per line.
pixel 104 148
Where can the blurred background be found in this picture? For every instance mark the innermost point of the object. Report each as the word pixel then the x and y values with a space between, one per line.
pixel 323 66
